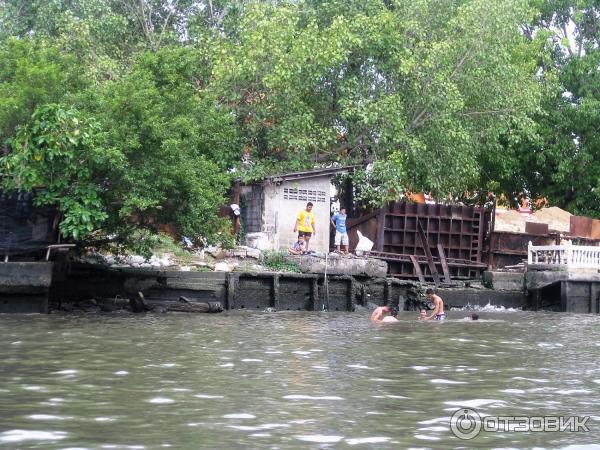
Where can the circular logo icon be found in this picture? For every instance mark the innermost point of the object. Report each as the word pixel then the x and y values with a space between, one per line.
pixel 465 423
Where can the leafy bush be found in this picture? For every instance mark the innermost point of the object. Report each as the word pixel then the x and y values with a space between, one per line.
pixel 277 261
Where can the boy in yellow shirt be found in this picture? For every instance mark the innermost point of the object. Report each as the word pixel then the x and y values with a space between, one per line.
pixel 305 224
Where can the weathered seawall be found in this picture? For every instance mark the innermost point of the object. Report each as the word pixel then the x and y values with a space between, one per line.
pixel 25 286
pixel 258 291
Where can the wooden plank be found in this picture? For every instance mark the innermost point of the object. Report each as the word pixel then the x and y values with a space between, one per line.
pixel 363 295
pixel 387 294
pixel 351 289
pixel 314 294
pixel 417 268
pixel 425 243
pixel 230 296
pixel 452 262
pixel 380 230
pixel 444 263
pixel 564 296
pixel 275 292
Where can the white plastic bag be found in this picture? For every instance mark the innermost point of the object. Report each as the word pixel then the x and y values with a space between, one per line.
pixel 364 244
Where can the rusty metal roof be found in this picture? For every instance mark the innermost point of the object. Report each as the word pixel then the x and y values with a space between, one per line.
pixel 308 173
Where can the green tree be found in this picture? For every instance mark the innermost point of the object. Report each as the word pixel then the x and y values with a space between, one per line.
pixel 559 161
pixel 58 157
pixel 32 73
pixel 442 97
pixel 177 146
pixel 427 86
pixel 148 157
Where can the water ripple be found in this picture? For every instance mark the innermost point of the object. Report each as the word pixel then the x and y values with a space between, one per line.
pixel 320 438
pixel 31 435
pixel 310 397
pixel 239 416
pixel 368 440
pixel 291 380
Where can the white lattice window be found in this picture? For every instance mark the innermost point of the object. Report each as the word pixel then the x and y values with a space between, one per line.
pixel 305 195
pixel 290 194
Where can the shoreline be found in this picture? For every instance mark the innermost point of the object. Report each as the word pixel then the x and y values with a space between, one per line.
pixel 349 283
pixel 257 291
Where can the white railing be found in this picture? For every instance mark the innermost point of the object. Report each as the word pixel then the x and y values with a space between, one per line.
pixel 575 256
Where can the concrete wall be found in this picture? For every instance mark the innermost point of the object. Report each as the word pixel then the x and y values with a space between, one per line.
pixel 580 297
pixel 459 298
pixel 504 281
pixel 235 291
pixel 282 291
pixel 253 207
pixel 24 287
pixel 576 291
pixel 279 215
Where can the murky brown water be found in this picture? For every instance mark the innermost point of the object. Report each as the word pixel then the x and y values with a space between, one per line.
pixel 291 380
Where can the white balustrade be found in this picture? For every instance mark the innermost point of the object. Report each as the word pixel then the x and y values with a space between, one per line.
pixel 572 256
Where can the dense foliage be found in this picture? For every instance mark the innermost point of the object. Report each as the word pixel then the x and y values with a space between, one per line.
pixel 132 114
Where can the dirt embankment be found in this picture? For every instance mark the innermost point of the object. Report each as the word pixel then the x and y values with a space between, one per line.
pixel 514 221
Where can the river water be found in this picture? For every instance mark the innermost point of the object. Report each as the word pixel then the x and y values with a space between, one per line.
pixel 291 380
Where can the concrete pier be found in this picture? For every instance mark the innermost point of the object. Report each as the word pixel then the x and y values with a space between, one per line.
pixel 559 288
pixel 24 286
pixel 504 281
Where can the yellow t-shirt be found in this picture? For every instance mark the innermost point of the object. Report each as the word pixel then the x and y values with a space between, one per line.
pixel 307 220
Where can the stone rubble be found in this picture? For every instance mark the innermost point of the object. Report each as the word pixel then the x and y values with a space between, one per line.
pixel 224 267
pixel 245 259
pixel 128 261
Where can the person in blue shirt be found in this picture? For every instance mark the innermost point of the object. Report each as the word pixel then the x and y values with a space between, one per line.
pixel 338 220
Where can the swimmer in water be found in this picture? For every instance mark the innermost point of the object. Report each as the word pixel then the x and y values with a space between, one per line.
pixel 438 309
pixel 471 318
pixel 379 315
pixel 423 314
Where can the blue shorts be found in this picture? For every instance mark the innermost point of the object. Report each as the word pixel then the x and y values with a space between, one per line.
pixel 440 316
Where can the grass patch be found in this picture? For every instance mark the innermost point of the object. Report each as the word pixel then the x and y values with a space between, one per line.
pixel 277 261
pixel 166 244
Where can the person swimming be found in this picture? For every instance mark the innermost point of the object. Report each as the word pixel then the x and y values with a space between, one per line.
pixel 471 318
pixel 380 314
pixel 438 306
pixel 422 314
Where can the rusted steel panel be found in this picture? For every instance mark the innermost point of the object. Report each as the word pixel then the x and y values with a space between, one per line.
pixel 581 226
pixel 425 243
pixel 595 229
pixel 444 263
pixel 367 227
pixel 422 259
pixel 379 242
pixel 536 228
pixel 417 268
pixel 458 230
pixel 509 248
